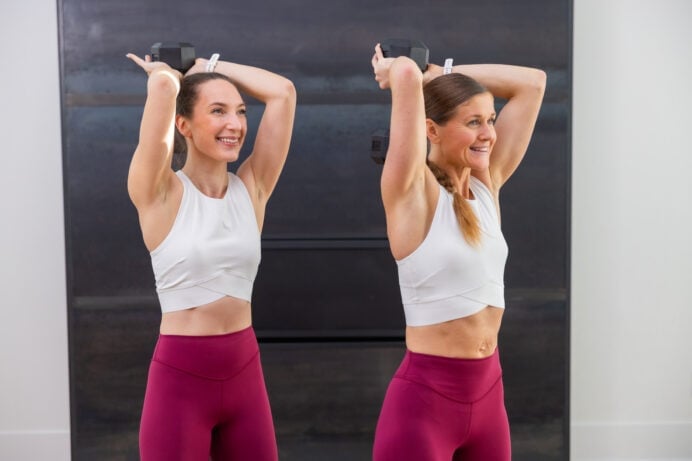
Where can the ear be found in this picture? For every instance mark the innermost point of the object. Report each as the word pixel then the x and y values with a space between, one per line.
pixel 182 125
pixel 432 131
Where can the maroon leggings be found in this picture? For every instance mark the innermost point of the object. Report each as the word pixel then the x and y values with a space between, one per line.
pixel 206 397
pixel 444 409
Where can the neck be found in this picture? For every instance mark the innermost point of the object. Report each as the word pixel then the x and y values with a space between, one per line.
pixel 210 177
pixel 459 176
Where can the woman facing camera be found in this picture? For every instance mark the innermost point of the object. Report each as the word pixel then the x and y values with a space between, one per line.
pixel 205 393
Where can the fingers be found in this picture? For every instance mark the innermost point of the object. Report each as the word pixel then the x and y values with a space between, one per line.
pixel 147 64
pixel 378 51
pixel 378 56
pixel 139 61
pixel 379 65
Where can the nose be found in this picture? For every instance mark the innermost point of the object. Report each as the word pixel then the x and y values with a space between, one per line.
pixel 233 122
pixel 487 131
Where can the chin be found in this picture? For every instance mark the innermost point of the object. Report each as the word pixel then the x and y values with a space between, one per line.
pixel 480 167
pixel 230 155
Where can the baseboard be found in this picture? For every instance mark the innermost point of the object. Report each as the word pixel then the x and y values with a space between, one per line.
pixel 35 445
pixel 631 441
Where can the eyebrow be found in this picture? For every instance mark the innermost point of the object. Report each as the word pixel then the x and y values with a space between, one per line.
pixel 494 114
pixel 223 104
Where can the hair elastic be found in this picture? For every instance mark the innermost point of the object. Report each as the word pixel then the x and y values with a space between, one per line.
pixel 211 64
pixel 448 66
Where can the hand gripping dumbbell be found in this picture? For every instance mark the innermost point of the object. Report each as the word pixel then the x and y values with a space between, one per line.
pixel 179 55
pixel 392 48
pixel 414 49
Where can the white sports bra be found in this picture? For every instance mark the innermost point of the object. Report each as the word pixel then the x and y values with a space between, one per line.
pixel 445 278
pixel 212 250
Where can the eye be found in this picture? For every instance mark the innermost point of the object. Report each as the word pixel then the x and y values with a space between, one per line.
pixel 242 111
pixel 474 122
pixel 491 121
pixel 217 110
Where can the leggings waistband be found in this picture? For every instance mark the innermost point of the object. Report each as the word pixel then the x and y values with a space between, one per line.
pixel 463 380
pixel 213 357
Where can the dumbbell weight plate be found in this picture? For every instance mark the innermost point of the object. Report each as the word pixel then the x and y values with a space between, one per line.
pixel 414 49
pixel 179 55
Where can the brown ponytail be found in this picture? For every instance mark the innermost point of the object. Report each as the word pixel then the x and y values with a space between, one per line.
pixel 468 221
pixel 443 95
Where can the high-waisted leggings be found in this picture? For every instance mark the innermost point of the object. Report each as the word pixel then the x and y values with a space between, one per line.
pixel 205 397
pixel 444 409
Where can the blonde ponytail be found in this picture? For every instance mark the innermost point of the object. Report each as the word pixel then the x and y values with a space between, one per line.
pixel 468 221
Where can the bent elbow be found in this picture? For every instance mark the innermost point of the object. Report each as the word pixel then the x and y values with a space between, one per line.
pixel 539 80
pixel 289 91
pixel 284 93
pixel 163 83
pixel 405 70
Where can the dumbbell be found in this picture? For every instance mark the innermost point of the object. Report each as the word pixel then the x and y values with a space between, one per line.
pixel 392 48
pixel 414 49
pixel 179 55
pixel 379 146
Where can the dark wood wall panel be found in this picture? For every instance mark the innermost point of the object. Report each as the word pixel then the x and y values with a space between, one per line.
pixel 325 396
pixel 326 301
pixel 326 194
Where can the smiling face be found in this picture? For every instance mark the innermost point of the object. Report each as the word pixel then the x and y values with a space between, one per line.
pixel 467 138
pixel 217 125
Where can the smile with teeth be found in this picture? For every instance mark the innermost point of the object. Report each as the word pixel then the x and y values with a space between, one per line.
pixel 480 149
pixel 229 141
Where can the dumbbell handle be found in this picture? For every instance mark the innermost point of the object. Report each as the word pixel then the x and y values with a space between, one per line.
pixel 392 48
pixel 179 55
pixel 414 49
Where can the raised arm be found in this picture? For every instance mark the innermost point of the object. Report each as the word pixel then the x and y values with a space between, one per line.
pixel 150 168
pixel 522 88
pixel 261 170
pixel 404 170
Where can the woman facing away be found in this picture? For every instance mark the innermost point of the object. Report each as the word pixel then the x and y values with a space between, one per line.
pixel 205 392
pixel 446 400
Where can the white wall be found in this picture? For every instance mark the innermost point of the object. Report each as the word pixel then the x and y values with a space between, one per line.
pixel 632 230
pixel 34 395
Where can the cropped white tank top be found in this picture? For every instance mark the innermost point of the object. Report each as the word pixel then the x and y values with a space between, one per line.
pixel 445 278
pixel 212 250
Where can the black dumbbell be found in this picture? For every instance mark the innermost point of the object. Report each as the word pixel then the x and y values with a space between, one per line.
pixel 392 48
pixel 379 146
pixel 414 49
pixel 179 55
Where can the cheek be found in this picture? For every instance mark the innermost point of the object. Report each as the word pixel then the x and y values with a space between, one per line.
pixel 467 138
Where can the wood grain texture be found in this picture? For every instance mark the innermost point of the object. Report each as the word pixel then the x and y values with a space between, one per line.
pixel 326 301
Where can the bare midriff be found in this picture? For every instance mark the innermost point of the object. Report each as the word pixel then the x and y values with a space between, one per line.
pixel 473 337
pixel 225 315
